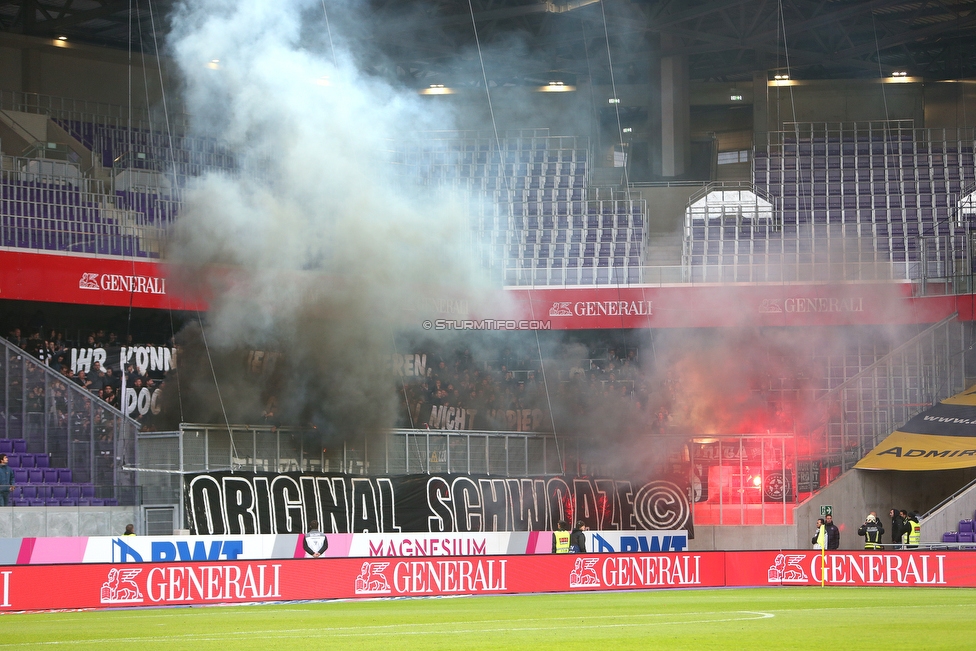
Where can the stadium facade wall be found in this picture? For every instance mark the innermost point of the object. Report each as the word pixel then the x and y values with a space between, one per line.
pixel 67 69
pixel 65 521
pixel 732 537
pixel 858 492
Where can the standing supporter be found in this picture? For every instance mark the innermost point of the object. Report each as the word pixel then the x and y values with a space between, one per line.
pixel 15 338
pixel 98 378
pixel 897 524
pixel 832 533
pixel 315 542
pixel 577 539
pixel 130 530
pixel 560 539
pixel 872 530
pixel 6 481
pixel 818 534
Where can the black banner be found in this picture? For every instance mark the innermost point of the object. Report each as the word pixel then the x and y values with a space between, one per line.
pixel 247 502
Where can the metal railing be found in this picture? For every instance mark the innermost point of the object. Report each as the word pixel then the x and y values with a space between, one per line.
pixel 79 430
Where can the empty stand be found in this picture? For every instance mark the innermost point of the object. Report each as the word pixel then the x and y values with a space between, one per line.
pixel 844 196
pixel 531 202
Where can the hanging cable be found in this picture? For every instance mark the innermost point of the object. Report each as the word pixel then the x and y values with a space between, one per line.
pixel 145 87
pixel 616 104
pixel 877 48
pixel 501 162
pixel 803 196
pixel 328 29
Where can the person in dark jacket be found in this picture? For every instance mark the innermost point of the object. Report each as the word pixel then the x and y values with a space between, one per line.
pixel 6 481
pixel 577 539
pixel 897 526
pixel 872 530
pixel 832 532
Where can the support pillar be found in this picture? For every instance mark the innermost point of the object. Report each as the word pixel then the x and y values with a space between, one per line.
pixel 675 116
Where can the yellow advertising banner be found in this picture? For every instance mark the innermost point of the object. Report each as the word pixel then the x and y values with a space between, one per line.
pixel 942 437
pixel 904 451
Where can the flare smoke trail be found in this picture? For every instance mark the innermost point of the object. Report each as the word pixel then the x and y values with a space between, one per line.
pixel 314 249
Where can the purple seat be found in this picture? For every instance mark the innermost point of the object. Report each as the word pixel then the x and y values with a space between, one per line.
pixel 59 491
pixel 87 490
pixel 19 502
pixel 111 501
pixel 965 537
pixel 95 501
pixel 52 501
pixel 28 492
pixel 83 501
pixel 43 491
pixel 50 475
pixel 69 501
pixel 42 460
pixel 20 475
pixel 14 460
pixel 35 475
pixel 966 526
pixel 20 445
pixel 6 446
pixel 950 537
pixel 64 475
pixel 35 502
pixel 74 491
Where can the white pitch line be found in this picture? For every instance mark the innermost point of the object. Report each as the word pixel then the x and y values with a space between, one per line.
pixel 373 631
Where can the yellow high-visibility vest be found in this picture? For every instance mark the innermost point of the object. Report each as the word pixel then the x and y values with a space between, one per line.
pixel 562 541
pixel 915 535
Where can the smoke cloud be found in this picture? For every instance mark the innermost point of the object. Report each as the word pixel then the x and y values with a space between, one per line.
pixel 321 243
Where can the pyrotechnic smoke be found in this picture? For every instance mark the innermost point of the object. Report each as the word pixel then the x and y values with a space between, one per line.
pixel 319 247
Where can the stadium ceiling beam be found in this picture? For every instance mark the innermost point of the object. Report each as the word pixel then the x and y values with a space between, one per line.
pixel 107 8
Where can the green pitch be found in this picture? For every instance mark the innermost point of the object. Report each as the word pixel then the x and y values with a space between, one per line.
pixel 762 618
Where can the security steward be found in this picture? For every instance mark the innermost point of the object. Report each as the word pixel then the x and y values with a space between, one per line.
pixel 560 539
pixel 914 530
pixel 872 530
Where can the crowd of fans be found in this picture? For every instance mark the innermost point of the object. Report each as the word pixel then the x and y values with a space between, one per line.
pixel 53 351
pixel 610 379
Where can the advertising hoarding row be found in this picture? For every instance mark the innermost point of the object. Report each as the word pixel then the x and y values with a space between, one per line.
pixel 28 587
pixel 148 284
pixel 164 549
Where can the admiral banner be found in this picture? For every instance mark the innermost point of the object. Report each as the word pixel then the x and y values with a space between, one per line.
pixel 227 503
pixel 28 587
pixel 942 437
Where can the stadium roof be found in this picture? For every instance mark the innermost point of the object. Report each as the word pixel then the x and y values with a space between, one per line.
pixel 531 42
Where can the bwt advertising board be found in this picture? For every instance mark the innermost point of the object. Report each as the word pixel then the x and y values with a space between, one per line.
pixel 28 587
pixel 219 503
pixel 165 549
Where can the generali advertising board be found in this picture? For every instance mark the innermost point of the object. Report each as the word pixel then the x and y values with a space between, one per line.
pixel 27 587
pixel 31 275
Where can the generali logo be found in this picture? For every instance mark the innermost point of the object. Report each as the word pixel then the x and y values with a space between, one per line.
pixel 561 308
pixel 584 575
pixel 122 283
pixel 601 308
pixel 120 587
pixel 88 281
pixel 372 579
pixel 802 305
pixel 786 568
